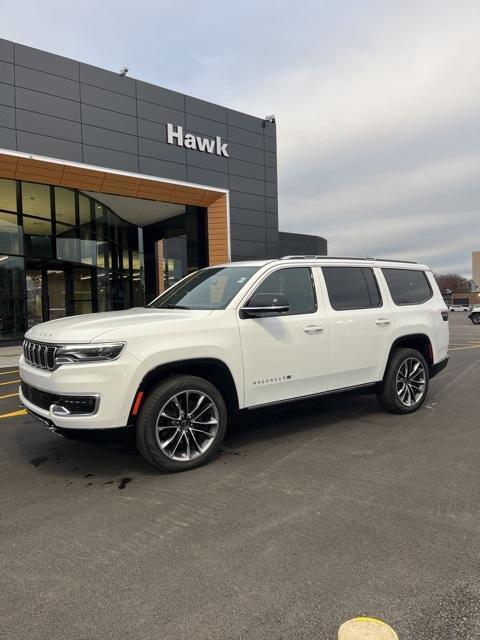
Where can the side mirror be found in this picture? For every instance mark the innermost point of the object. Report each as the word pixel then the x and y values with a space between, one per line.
pixel 265 305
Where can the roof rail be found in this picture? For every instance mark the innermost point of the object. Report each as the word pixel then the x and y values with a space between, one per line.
pixel 324 257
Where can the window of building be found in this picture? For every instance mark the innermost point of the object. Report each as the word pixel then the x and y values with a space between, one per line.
pixel 408 286
pixel 11 238
pixel 65 205
pixel 36 200
pixel 84 211
pixel 351 288
pixel 8 195
pixel 37 237
pixel 296 284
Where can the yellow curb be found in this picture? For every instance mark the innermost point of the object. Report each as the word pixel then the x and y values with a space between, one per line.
pixel 365 628
pixel 22 412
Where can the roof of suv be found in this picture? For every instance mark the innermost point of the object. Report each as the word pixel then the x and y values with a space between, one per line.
pixel 296 259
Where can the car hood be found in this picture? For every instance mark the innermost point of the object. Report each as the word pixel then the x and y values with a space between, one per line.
pixel 96 326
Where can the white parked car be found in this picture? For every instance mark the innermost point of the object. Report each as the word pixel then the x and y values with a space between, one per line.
pixel 474 315
pixel 234 337
pixel 458 307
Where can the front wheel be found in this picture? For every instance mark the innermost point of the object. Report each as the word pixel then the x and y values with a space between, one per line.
pixel 182 423
pixel 476 319
pixel 405 383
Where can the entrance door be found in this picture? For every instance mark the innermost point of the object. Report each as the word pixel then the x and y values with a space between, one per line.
pixel 46 299
pixel 57 300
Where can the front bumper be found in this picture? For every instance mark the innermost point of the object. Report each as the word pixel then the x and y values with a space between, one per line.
pixel 113 383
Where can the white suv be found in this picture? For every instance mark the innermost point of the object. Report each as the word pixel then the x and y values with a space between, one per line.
pixel 234 337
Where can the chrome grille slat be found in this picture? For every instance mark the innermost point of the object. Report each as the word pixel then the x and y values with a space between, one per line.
pixel 40 355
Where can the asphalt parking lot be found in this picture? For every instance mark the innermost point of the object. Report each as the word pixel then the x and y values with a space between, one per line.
pixel 311 515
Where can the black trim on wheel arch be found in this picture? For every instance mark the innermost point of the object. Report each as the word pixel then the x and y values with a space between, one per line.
pixel 438 366
pixel 222 378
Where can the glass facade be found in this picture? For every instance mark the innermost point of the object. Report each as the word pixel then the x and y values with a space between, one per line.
pixel 63 253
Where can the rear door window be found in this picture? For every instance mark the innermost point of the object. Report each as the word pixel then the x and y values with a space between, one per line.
pixel 408 286
pixel 352 288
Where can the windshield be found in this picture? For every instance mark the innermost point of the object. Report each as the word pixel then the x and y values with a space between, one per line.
pixel 211 288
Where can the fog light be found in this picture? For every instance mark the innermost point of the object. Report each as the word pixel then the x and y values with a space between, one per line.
pixel 58 410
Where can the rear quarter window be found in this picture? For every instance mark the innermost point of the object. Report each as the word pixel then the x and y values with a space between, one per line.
pixel 408 286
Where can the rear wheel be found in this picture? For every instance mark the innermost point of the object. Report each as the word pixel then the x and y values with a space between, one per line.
pixel 405 383
pixel 182 423
pixel 476 319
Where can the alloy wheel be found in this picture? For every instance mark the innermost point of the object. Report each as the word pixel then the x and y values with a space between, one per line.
pixel 186 425
pixel 411 381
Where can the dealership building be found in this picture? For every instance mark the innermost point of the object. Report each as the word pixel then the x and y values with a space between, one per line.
pixel 112 189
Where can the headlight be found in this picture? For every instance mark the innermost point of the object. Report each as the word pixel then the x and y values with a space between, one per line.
pixel 77 353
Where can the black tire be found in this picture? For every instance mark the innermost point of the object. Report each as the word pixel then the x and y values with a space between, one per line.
pixel 160 397
pixel 476 319
pixel 389 396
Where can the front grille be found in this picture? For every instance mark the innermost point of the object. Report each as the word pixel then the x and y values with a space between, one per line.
pixel 77 405
pixel 39 355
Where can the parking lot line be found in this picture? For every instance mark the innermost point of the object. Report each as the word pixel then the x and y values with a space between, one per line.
pixel 9 395
pixel 6 373
pixel 3 384
pixel 472 346
pixel 12 414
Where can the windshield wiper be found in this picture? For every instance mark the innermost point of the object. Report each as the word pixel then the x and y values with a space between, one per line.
pixel 177 306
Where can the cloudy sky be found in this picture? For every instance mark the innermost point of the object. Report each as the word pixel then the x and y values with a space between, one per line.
pixel 377 102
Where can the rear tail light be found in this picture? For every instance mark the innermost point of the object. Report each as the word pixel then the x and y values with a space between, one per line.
pixel 445 315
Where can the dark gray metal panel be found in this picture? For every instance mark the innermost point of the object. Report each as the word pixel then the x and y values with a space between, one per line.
pixel 52 147
pixel 159 95
pixel 244 121
pixel 270 159
pixel 247 232
pixel 272 236
pixel 48 126
pixel 163 169
pixel 207 177
pixel 244 249
pixel 302 244
pixel 7 117
pixel 48 105
pixel 270 129
pixel 246 169
pixel 109 119
pixel 206 161
pixel 109 139
pixel 203 126
pixel 205 109
pixel 6 50
pixel 270 144
pixel 245 137
pixel 7 74
pixel 162 151
pixel 271 220
pixel 271 189
pixel 44 61
pixel 8 139
pixel 110 159
pixel 46 83
pixel 272 205
pixel 244 216
pixel 247 201
pixel 7 94
pixel 157 113
pixel 108 100
pixel 271 174
pixel 152 130
pixel 107 80
pixel 247 185
pixel 247 154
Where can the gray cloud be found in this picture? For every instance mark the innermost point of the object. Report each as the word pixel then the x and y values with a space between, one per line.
pixel 377 103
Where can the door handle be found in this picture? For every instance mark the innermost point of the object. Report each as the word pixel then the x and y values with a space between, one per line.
pixel 313 328
pixel 382 321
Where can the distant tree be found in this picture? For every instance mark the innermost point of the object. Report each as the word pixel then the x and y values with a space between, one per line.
pixel 452 281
